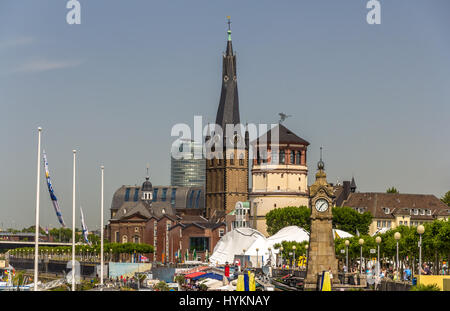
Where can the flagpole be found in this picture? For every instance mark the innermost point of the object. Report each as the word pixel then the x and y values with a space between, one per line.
pixel 101 232
pixel 36 237
pixel 73 222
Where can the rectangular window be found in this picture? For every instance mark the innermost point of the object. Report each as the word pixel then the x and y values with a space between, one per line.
pixel 282 157
pixel 274 157
pixel 384 223
pixel 117 236
pixel 155 194
pixel 172 196
pixel 292 157
pixel 200 244
pixel 127 194
pixel 197 199
pixel 191 198
pixel 297 159
pixel 389 223
pixel 379 224
pixel 136 193
pixel 164 195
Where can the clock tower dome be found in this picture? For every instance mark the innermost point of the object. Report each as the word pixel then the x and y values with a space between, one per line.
pixel 321 255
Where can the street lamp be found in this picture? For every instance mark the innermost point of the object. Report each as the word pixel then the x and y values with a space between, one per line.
pixel 378 241
pixel 361 242
pixel 420 231
pixel 347 243
pixel 306 247
pixel 243 254
pixel 293 248
pixel 397 237
pixel 270 255
pixel 257 259
pixel 281 250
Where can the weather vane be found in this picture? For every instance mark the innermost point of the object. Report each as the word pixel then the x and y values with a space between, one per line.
pixel 283 117
pixel 229 22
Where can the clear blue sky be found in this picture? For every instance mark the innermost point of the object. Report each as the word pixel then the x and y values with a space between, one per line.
pixel 376 97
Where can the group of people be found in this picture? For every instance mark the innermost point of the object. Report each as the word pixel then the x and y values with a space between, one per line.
pixel 395 274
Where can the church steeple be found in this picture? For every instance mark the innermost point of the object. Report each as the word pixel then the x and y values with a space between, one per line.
pixel 228 111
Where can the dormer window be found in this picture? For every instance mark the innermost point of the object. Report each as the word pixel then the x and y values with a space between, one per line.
pixel 416 211
pixel 386 210
pixel 422 212
pixel 428 212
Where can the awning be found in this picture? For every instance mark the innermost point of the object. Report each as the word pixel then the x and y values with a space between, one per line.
pixel 193 275
pixel 210 275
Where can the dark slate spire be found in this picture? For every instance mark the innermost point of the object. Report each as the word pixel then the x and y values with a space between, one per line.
pixel 228 111
pixel 353 185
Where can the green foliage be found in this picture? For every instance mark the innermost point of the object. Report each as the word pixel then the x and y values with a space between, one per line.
pixel 392 190
pixel 279 218
pixel 203 287
pixel 161 286
pixel 349 220
pixel 344 218
pixel 300 249
pixel 32 229
pixel 446 198
pixel 115 248
pixel 180 279
pixel 435 243
pixel 354 249
pixel 61 234
pixel 421 287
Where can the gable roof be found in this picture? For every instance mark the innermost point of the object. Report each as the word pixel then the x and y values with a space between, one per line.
pixel 398 204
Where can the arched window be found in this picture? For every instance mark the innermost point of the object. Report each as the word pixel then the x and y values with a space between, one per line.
pixel 124 239
pixel 292 157
pixel 136 239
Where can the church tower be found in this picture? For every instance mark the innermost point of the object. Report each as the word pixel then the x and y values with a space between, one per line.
pixel 227 167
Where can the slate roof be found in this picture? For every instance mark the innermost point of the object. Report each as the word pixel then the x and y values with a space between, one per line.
pixel 228 110
pixel 285 136
pixel 182 196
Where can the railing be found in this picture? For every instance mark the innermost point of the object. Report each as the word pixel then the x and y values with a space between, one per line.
pixel 81 257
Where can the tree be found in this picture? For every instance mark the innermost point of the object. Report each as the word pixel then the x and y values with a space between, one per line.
pixel 300 249
pixel 446 198
pixel 279 218
pixel 349 220
pixel 161 286
pixel 392 190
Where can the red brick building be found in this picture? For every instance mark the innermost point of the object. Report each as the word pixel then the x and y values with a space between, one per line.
pixel 156 217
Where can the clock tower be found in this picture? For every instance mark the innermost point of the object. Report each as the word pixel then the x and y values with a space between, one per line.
pixel 321 255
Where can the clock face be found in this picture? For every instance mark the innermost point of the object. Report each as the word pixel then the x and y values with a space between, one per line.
pixel 321 205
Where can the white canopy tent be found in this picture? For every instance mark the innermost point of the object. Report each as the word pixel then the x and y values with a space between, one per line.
pixel 291 233
pixel 233 243
pixel 340 234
